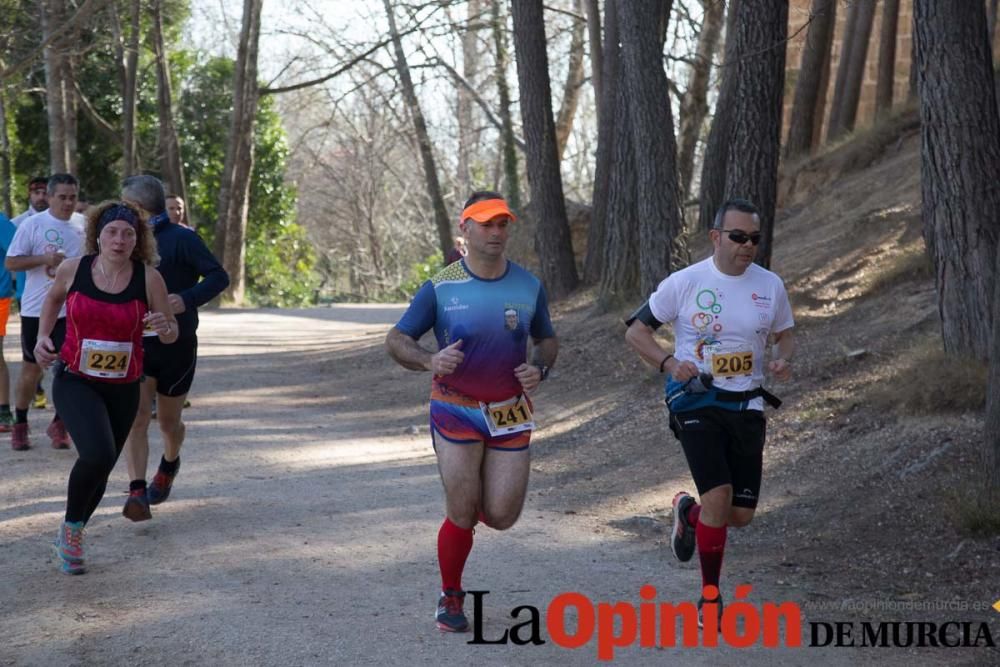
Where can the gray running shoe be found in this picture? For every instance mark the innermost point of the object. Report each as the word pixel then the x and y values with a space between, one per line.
pixel 718 602
pixel 682 540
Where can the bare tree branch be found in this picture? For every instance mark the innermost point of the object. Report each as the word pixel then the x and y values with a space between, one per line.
pixel 490 116
pixel 559 10
pixel 268 90
pixel 323 79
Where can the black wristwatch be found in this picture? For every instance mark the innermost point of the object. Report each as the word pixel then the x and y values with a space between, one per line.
pixel 544 369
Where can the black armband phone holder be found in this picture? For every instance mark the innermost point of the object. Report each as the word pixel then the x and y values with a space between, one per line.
pixel 644 315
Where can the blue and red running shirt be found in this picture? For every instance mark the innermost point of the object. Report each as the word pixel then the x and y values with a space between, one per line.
pixel 492 317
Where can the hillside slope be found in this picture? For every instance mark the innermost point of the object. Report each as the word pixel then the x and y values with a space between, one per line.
pixel 870 458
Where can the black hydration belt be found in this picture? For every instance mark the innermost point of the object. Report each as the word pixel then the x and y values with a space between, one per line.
pixel 740 396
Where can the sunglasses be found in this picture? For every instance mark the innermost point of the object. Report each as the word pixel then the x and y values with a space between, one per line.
pixel 739 237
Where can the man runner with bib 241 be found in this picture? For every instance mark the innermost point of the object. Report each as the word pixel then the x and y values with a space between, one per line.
pixel 483 309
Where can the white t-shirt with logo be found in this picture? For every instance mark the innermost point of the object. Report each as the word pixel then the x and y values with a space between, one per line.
pixel 721 322
pixel 43 233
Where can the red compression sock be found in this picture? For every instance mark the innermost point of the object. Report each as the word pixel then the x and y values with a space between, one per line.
pixel 454 545
pixel 693 513
pixel 711 546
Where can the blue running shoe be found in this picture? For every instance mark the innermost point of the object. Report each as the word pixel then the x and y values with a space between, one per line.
pixel 68 546
pixel 449 616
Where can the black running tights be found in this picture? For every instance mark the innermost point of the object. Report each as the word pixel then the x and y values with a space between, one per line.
pixel 98 416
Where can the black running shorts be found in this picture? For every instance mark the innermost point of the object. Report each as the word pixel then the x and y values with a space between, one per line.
pixel 723 447
pixel 29 337
pixel 171 365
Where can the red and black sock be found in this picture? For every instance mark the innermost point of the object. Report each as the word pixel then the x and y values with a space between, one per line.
pixel 454 545
pixel 711 547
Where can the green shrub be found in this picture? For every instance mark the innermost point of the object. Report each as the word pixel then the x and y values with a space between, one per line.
pixel 280 268
pixel 420 272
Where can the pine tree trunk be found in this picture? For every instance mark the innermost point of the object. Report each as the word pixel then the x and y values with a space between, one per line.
pixel 991 21
pixel 596 50
pixel 991 441
pixel 752 171
pixel 694 104
pixel 960 158
pixel 713 169
pixel 130 92
pixel 58 91
pixel 658 206
pixel 466 131
pixel 574 83
pixel 824 89
pixel 171 165
pixel 71 125
pixel 607 126
pixel 512 179
pixel 119 44
pixel 552 238
pixel 886 59
pixel 234 190
pixel 853 58
pixel 6 173
pixel 809 87
pixel 620 279
pixel 843 65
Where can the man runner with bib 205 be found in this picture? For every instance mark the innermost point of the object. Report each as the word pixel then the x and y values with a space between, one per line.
pixel 483 309
pixel 723 310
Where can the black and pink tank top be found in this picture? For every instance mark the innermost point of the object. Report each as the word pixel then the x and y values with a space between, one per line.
pixel 104 331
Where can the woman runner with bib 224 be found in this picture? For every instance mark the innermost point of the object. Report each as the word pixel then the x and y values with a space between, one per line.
pixel 111 293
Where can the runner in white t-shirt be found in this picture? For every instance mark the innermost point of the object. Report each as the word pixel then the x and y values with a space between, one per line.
pixel 723 311
pixel 38 201
pixel 41 243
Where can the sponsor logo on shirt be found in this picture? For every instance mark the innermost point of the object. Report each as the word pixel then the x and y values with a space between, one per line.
pixel 455 304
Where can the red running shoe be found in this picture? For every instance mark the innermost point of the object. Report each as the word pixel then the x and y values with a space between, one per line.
pixel 19 437
pixel 60 438
pixel 137 506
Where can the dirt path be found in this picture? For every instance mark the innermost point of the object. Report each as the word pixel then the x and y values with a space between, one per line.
pixel 303 524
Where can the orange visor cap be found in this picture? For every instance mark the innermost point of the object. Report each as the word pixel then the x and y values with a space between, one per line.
pixel 487 209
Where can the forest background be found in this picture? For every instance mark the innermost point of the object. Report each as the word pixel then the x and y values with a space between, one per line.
pixel 124 86
pixel 324 153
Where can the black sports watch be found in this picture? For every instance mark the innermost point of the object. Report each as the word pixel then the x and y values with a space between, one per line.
pixel 544 369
